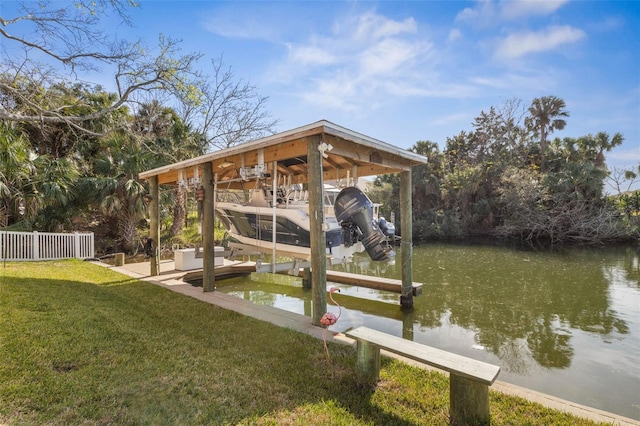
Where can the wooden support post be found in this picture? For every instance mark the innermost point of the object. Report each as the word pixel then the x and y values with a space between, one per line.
pixel 318 234
pixel 306 278
pixel 469 401
pixel 469 379
pixel 119 259
pixel 406 222
pixel 368 363
pixel 208 258
pixel 154 225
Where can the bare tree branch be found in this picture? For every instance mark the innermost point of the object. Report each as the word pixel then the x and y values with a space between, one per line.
pixel 230 112
pixel 70 39
pixel 621 180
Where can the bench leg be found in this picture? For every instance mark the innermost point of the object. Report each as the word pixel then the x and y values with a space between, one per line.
pixel 469 401
pixel 368 363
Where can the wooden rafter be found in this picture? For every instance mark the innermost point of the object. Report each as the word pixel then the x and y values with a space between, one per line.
pixel 349 151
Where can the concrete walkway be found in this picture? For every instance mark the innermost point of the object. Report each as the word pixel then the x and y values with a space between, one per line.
pixel 170 279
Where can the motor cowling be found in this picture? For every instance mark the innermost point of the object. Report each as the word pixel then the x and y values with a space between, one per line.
pixel 353 206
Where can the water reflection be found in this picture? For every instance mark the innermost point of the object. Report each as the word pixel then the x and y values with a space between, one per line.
pixel 535 312
pixel 520 303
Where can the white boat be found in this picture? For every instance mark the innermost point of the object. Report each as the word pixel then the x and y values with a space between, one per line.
pixel 350 222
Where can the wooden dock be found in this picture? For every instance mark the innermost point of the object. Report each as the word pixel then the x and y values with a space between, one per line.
pixel 228 270
pixel 367 281
pixel 233 269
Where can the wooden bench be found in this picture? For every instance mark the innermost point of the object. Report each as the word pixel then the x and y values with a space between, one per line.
pixel 469 379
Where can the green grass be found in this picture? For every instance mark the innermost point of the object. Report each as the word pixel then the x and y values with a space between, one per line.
pixel 82 344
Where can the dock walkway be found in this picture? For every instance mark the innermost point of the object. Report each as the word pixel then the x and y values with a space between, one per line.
pixel 238 268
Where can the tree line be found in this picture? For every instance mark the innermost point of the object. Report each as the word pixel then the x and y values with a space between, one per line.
pixel 505 179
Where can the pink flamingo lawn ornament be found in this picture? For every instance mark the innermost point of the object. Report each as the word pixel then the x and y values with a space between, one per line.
pixel 328 319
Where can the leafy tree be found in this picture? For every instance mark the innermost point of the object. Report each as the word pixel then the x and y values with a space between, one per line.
pixel 578 165
pixel 476 161
pixel 429 217
pixel 488 182
pixel 170 140
pixel 89 147
pixel 630 204
pixel 565 203
pixel 546 116
pixel 16 169
pixel 57 189
pixel 626 200
pixel 57 139
pixel 427 179
pixel 45 186
pixel 116 189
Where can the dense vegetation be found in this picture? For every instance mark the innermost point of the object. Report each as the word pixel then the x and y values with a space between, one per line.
pixel 505 180
pixel 70 153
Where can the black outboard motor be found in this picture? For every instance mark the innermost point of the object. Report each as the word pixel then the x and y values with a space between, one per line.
pixel 352 205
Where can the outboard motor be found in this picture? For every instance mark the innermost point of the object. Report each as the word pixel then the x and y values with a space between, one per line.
pixel 352 205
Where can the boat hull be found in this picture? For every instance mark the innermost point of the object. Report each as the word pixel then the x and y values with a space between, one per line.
pixel 254 226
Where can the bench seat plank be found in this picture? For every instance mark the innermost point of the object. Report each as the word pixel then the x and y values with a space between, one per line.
pixel 457 364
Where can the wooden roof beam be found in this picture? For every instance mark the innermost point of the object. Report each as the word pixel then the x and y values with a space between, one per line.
pixel 365 155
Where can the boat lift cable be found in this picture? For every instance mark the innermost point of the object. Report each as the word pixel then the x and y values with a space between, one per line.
pixel 258 216
pixel 274 203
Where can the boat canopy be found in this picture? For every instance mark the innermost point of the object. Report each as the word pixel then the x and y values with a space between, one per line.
pixel 345 155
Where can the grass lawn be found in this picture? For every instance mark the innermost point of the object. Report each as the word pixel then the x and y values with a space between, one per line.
pixel 82 344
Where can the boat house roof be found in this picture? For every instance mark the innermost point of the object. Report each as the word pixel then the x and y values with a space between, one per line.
pixel 349 154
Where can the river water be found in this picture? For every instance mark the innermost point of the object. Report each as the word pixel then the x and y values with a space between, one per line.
pixel 563 322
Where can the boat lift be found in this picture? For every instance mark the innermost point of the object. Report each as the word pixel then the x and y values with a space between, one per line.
pixel 310 154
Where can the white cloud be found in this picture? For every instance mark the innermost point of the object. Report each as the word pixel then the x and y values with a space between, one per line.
pixel 486 13
pixel 454 35
pixel 520 44
pixel 519 82
pixel 517 8
pixel 362 59
pixel 371 26
pixel 455 118
pixel 310 55
pixel 388 56
pixel 251 21
pixel 608 23
pixel 482 15
pixel 247 27
pixel 335 93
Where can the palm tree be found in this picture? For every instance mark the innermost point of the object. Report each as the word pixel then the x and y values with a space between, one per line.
pixel 117 190
pixel 17 172
pixel 56 185
pixel 171 140
pixel 546 113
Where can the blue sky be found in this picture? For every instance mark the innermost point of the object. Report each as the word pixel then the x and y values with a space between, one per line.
pixel 420 70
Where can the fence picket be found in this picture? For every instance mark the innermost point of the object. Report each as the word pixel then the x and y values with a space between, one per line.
pixel 25 246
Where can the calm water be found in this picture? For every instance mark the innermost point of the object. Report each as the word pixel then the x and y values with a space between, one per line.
pixel 566 323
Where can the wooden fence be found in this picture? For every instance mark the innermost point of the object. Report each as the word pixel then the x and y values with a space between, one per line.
pixel 45 245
